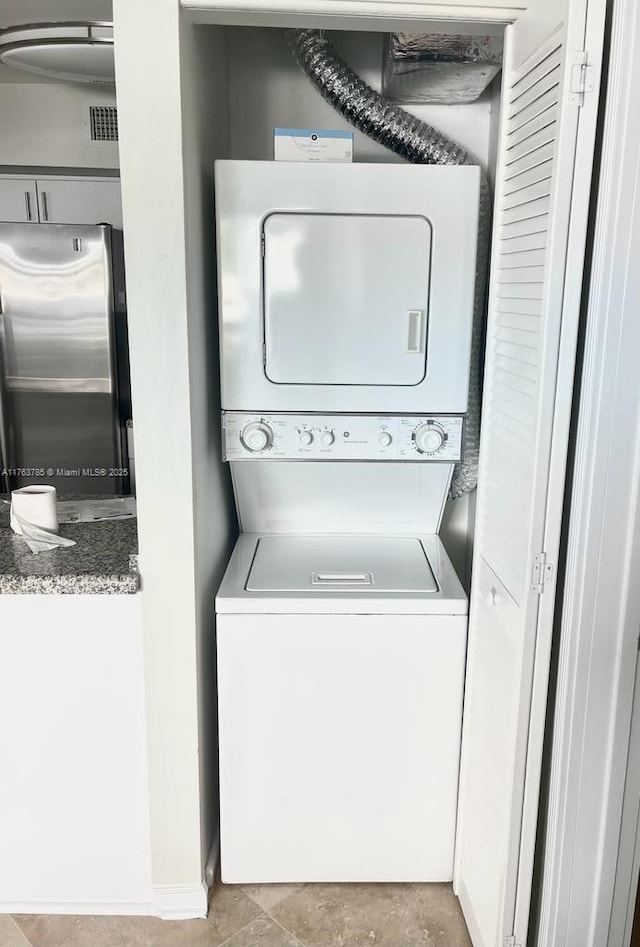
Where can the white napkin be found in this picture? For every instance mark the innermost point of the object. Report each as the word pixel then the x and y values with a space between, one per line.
pixel 37 538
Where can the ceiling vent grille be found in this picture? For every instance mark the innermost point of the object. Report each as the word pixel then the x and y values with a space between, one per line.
pixel 103 122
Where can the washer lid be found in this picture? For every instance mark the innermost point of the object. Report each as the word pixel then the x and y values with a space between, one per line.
pixel 347 563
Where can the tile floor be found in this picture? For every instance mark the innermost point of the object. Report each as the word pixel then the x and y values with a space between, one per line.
pixel 313 915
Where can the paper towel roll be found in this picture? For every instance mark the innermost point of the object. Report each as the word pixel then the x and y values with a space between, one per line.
pixel 35 504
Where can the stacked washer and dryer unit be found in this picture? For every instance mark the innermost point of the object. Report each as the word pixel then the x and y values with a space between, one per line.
pixel 346 301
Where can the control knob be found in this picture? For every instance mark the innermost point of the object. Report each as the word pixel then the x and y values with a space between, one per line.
pixel 257 436
pixel 306 437
pixel 327 438
pixel 429 438
pixel 384 438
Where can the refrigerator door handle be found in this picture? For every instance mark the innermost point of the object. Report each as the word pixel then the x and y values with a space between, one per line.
pixel 27 205
pixel 45 207
pixel 4 442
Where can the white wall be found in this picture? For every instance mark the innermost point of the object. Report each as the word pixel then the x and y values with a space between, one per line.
pixel 206 137
pixel 168 137
pixel 74 814
pixel 153 213
pixel 14 12
pixel 44 125
pixel 267 89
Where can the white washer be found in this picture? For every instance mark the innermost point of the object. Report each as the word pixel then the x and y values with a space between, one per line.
pixel 340 678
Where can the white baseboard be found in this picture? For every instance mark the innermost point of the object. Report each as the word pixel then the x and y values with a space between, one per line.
pixel 171 903
pixel 181 902
pixel 115 908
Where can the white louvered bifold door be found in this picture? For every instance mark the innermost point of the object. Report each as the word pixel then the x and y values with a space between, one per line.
pixel 541 206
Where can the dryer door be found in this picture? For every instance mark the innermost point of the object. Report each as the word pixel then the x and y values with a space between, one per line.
pixel 346 298
pixel 345 287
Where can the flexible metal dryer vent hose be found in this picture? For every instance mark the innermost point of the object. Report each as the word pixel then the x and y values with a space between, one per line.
pixel 419 143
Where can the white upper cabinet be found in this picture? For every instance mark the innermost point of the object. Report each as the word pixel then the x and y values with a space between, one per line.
pixel 61 200
pixel 79 201
pixel 18 200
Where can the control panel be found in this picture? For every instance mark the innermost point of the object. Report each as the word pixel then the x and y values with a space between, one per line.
pixel 341 437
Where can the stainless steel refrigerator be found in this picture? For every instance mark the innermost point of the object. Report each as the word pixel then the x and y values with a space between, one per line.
pixel 64 371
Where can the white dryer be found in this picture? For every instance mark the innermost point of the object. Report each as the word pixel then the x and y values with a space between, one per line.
pixel 345 287
pixel 340 679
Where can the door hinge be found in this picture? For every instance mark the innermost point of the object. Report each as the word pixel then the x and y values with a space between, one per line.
pixel 262 245
pixel 582 77
pixel 264 355
pixel 541 572
pixel 510 941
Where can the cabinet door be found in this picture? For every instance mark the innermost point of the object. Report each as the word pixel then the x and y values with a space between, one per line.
pixel 18 200
pixel 65 201
pixel 545 160
pixel 395 686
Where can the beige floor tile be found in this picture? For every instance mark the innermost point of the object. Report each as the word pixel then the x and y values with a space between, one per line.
pixel 381 915
pixel 10 933
pixel 229 912
pixel 54 930
pixel 263 932
pixel 267 896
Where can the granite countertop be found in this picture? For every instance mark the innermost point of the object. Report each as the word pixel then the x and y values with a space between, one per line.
pixel 103 560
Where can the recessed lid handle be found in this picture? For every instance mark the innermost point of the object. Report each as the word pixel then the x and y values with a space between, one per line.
pixel 341 578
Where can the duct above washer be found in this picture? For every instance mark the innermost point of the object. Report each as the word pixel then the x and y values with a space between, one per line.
pixel 439 68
